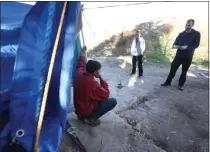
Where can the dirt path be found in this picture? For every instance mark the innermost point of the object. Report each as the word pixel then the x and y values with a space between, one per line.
pixel 176 121
pixel 149 117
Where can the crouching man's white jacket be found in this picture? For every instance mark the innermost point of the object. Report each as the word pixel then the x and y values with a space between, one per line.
pixel 138 48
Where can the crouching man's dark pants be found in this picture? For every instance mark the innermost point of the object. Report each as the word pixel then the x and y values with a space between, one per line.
pixel 103 108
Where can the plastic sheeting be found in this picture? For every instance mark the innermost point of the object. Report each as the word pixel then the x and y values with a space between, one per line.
pixel 28 72
pixel 11 22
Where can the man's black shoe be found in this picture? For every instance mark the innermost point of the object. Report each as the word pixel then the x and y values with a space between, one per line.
pixel 140 76
pixel 132 74
pixel 181 88
pixel 165 84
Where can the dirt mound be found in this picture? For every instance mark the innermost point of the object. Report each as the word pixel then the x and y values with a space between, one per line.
pixel 120 44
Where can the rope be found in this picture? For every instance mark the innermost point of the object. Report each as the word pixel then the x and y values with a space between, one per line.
pixel 109 46
pixel 47 84
pixel 117 5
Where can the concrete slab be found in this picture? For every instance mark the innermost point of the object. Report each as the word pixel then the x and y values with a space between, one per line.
pixel 113 135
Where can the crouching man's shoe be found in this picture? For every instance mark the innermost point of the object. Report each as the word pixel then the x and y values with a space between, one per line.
pixel 79 117
pixel 93 122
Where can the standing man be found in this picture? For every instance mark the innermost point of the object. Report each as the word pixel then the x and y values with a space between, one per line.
pixel 91 99
pixel 137 49
pixel 185 43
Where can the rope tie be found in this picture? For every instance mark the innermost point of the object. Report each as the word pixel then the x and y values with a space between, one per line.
pixel 118 5
pixel 119 86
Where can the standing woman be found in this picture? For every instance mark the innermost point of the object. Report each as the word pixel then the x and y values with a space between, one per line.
pixel 137 49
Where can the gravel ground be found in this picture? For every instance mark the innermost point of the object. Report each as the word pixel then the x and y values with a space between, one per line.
pixel 148 117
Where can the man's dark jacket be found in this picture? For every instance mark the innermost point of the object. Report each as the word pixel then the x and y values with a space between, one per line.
pixel 191 39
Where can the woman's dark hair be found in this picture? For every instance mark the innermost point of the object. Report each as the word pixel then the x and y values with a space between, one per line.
pixel 92 66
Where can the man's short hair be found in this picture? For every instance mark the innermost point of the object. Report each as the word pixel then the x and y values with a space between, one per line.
pixel 191 20
pixel 92 66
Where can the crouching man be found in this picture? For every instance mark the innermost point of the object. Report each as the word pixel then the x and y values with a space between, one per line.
pixel 91 99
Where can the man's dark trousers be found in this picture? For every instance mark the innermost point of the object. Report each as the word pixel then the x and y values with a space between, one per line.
pixel 140 64
pixel 103 108
pixel 179 60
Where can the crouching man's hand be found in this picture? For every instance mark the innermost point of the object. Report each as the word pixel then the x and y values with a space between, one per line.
pixel 100 78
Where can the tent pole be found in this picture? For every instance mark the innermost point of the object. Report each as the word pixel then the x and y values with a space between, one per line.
pixel 47 84
pixel 83 39
pixel 83 42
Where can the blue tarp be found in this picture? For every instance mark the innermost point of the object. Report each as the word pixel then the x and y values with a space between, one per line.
pixel 12 16
pixel 34 40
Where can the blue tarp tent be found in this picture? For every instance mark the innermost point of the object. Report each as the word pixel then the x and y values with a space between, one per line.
pixel 11 22
pixel 28 35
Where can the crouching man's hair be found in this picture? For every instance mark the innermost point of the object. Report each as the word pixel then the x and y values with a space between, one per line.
pixel 92 66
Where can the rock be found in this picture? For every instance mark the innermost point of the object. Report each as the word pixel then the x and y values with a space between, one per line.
pixel 173 132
